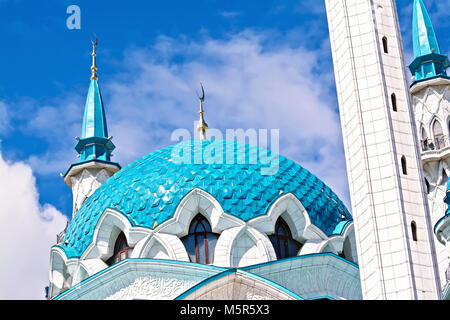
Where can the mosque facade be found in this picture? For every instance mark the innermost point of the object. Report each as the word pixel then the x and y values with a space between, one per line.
pixel 204 220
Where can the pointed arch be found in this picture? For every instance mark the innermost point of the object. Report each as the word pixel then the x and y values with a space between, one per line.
pixel 121 251
pixel 108 228
pixel 161 246
pixel 200 242
pixel 243 246
pixel 198 201
pixel 438 134
pixel 58 273
pixel 285 246
pixel 87 268
pixel 294 214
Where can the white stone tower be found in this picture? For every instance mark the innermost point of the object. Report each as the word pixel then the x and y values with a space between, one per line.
pixel 94 147
pixel 392 221
pixel 430 93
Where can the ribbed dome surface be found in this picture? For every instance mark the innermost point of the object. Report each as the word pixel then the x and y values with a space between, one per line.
pixel 148 190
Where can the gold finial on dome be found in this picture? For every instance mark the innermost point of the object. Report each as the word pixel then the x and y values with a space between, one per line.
pixel 202 126
pixel 94 54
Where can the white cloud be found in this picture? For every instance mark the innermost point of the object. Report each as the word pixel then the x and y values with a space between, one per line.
pixel 252 80
pixel 27 231
pixel 249 84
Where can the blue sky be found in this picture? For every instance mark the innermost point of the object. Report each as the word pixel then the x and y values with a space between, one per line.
pixel 44 64
pixel 264 64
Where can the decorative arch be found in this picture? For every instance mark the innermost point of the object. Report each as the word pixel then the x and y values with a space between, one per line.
pixel 349 251
pixel 87 268
pixel 61 271
pixel 160 246
pixel 195 202
pixel 122 250
pixel 438 133
pixel 243 246
pixel 294 214
pixel 58 269
pixel 343 244
pixel 108 228
pixel 200 241
pixel 285 246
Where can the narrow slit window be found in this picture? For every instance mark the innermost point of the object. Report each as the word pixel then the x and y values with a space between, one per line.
pixel 394 102
pixel 414 230
pixel 405 172
pixel 385 45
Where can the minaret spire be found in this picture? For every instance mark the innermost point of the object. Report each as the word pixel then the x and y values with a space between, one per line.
pixel 428 61
pixel 94 146
pixel 202 126
pixel 94 55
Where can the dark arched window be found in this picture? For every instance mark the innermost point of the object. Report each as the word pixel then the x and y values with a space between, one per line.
pixel 414 230
pixel 394 102
pixel 285 246
pixel 200 242
pixel 427 185
pixel 444 178
pixel 385 45
pixel 438 134
pixel 404 170
pixel 121 250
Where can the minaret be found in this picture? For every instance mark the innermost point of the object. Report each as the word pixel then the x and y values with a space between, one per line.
pixel 94 147
pixel 430 93
pixel 393 228
pixel 202 126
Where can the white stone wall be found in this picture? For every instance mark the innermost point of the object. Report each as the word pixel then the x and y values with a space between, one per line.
pixel 85 183
pixel 384 200
pixel 240 243
pixel 431 102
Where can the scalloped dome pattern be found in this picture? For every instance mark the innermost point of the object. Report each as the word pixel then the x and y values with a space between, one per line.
pixel 149 190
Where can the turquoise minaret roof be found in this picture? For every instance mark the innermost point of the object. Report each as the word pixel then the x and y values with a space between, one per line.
pixel 94 143
pixel 428 61
pixel 94 120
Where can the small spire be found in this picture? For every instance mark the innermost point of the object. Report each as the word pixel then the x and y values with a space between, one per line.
pixel 94 54
pixel 94 142
pixel 202 126
pixel 428 61
pixel 424 36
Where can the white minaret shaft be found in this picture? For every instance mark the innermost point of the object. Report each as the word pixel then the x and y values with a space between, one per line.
pixel 392 221
pixel 430 93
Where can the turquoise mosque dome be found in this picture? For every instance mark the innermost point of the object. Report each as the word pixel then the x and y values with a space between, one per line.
pixel 148 191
